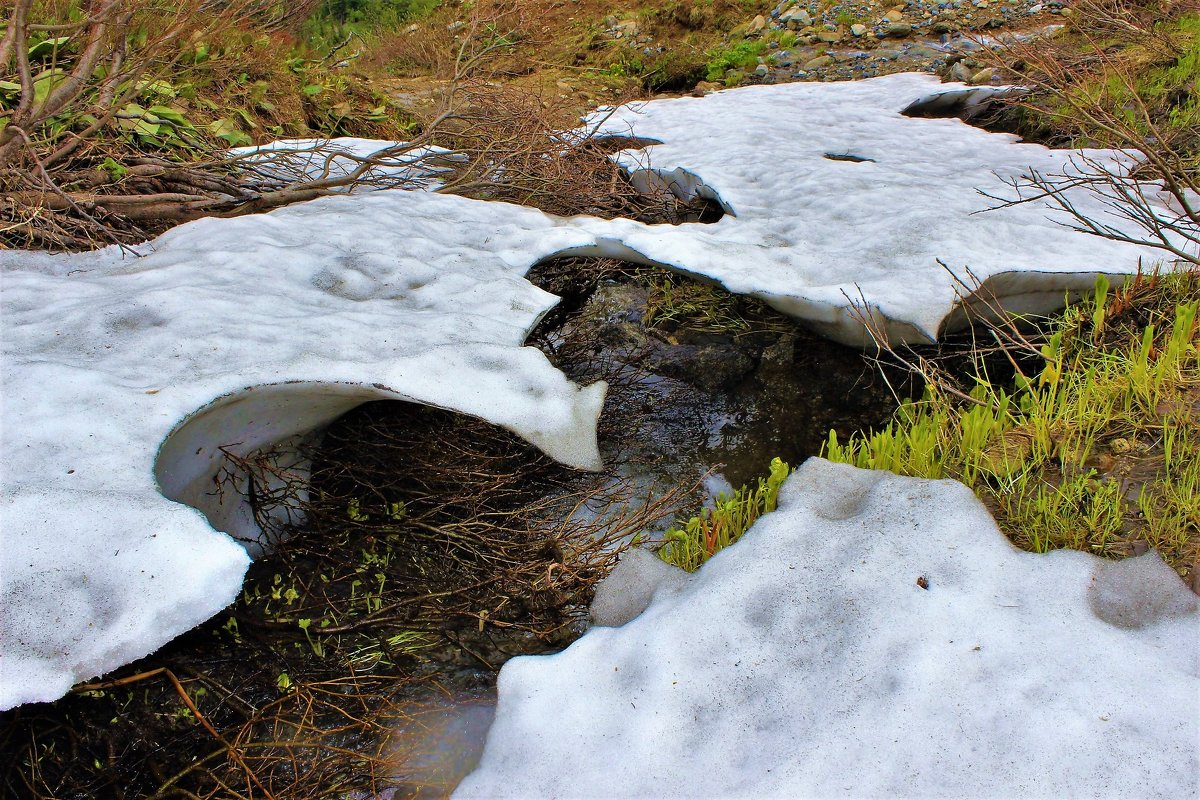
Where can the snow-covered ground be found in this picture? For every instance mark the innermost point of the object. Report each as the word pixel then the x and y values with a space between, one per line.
pixel 124 377
pixel 806 661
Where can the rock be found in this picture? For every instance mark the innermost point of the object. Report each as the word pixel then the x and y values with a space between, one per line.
pixel 942 27
pixel 456 26
pixel 757 25
pixel 829 37
pixel 761 70
pixel 796 17
pixel 984 76
pixel 897 30
pixel 960 72
pixel 818 62
pixel 894 16
pixel 704 87
pixel 625 29
pixel 858 29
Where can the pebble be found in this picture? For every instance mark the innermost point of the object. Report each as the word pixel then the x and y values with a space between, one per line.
pixel 896 30
pixel 984 76
pixel 913 35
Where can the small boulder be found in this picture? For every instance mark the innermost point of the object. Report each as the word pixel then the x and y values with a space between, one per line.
pixel 961 72
pixel 984 76
pixel 796 17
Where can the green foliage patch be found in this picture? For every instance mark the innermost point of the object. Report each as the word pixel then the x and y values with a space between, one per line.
pixel 700 537
pixel 1099 451
pixel 740 55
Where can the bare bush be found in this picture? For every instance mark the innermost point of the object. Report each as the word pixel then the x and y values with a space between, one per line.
pixel 87 158
pixel 1123 96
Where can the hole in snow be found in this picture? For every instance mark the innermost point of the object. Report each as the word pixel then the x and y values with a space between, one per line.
pixel 848 157
pixel 984 107
pixel 964 103
pixel 193 464
pixel 699 202
pixel 615 143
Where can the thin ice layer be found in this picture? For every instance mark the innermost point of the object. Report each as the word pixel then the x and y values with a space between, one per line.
pixel 807 661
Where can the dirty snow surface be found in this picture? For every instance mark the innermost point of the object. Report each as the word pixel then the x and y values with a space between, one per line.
pixel 125 380
pixel 806 661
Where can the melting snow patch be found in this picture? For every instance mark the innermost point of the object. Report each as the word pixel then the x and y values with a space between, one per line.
pixel 123 379
pixel 808 233
pixel 809 660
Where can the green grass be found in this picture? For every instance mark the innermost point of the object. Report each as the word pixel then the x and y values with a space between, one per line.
pixel 742 55
pixel 675 301
pixel 334 20
pixel 695 541
pixel 1099 451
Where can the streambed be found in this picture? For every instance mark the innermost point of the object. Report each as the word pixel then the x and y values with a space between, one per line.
pixel 705 388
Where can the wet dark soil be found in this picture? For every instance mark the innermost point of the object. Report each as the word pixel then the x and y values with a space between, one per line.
pixel 722 383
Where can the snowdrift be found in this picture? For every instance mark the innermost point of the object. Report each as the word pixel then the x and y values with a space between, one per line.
pixel 807 661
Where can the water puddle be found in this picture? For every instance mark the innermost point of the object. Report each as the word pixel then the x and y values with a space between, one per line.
pixel 437 742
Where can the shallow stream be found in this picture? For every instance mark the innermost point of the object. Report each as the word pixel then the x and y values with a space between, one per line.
pixel 705 388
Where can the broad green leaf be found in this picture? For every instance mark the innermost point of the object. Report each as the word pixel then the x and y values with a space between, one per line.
pixel 157 88
pixel 170 115
pixel 45 82
pixel 227 130
pixel 115 170
pixel 313 89
pixel 48 47
pixel 246 118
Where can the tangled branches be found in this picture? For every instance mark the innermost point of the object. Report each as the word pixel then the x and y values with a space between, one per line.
pixel 1124 79
pixel 98 144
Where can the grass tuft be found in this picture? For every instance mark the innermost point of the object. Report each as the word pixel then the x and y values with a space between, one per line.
pixel 1099 451
pixel 713 529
